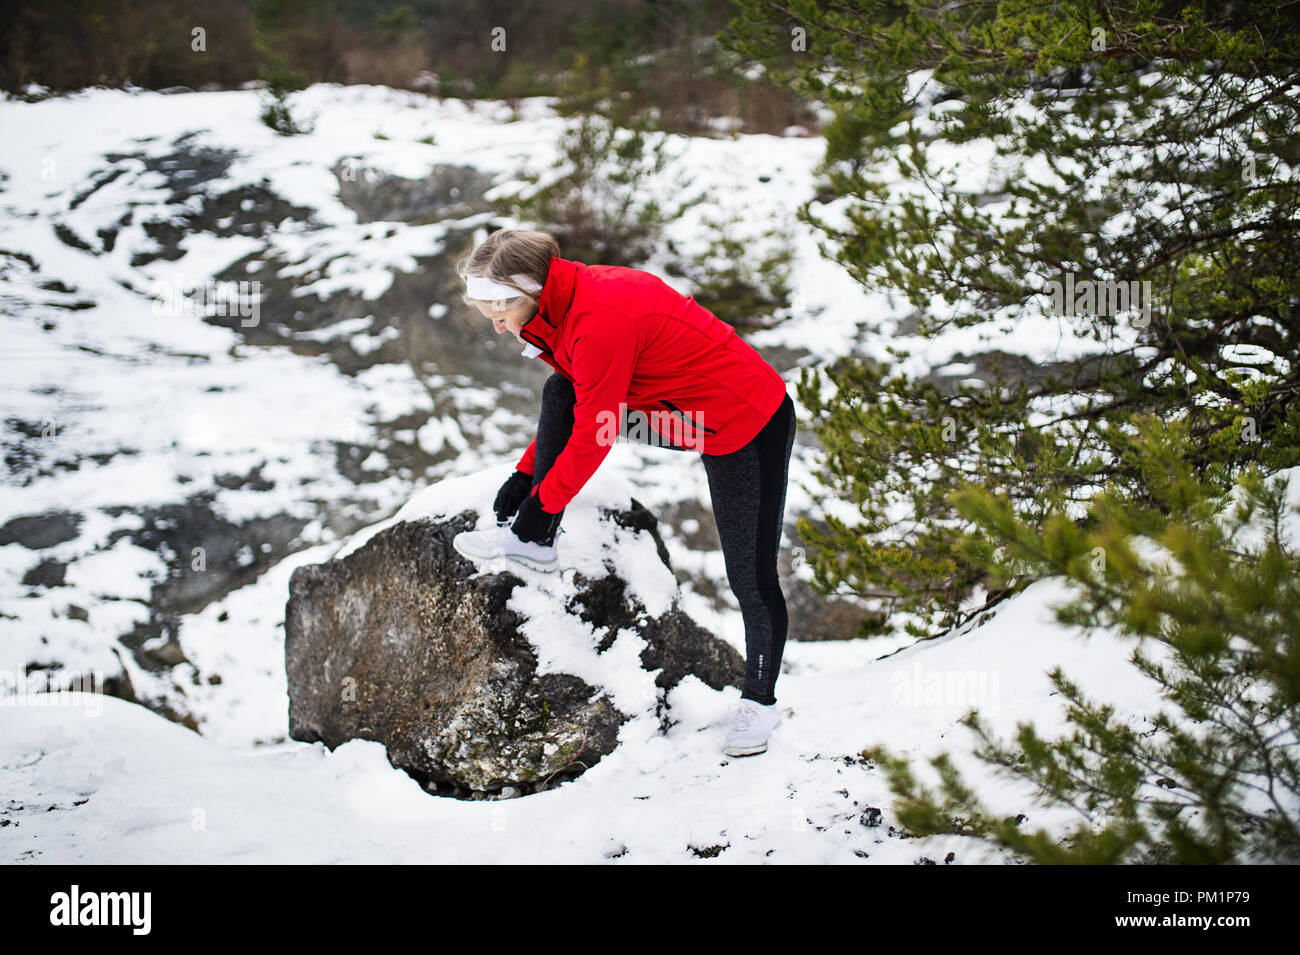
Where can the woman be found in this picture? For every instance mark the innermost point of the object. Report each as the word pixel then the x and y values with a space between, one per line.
pixel 622 340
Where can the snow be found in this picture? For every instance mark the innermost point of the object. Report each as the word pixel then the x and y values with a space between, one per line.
pixel 152 407
pixel 130 787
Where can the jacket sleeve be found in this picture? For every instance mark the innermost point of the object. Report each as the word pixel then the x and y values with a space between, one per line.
pixel 604 352
pixel 527 462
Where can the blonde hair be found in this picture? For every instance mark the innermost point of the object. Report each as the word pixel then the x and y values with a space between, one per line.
pixel 509 252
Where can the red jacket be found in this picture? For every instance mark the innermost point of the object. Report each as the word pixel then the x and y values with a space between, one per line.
pixel 623 335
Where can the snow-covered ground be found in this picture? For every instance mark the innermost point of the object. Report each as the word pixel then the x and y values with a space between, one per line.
pixel 92 779
pixel 114 410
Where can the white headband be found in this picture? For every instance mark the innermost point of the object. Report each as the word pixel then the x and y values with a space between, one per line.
pixel 485 289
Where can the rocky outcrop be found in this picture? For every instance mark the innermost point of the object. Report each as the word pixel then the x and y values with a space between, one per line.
pixel 448 192
pixel 405 642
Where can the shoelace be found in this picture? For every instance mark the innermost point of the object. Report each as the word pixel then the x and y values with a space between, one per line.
pixel 745 718
pixel 499 528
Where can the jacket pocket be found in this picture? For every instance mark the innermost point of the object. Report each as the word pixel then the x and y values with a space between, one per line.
pixel 678 411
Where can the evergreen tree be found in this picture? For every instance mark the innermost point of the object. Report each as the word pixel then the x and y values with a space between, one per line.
pixel 598 200
pixel 272 21
pixel 744 275
pixel 1213 581
pixel 281 80
pixel 1137 147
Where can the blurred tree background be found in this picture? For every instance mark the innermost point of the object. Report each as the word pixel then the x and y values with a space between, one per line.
pixel 658 57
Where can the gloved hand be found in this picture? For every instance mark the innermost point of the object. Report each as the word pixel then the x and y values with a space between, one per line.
pixel 534 525
pixel 511 495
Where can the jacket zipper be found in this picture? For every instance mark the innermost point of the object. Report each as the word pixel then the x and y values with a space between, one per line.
pixel 679 411
pixel 535 344
pixel 545 351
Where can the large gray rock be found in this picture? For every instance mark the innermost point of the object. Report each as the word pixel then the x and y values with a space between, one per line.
pixel 402 641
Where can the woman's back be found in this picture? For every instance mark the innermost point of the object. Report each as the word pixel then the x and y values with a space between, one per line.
pixel 686 359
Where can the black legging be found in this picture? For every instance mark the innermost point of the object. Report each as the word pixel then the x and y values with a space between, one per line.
pixel 747 488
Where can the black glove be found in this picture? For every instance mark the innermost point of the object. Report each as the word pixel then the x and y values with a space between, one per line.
pixel 511 495
pixel 534 524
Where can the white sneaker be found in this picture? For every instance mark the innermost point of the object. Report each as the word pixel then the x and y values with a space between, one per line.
pixel 502 542
pixel 754 723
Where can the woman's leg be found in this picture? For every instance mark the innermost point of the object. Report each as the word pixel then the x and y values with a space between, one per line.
pixel 748 491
